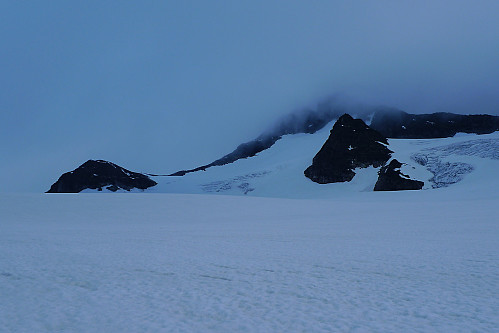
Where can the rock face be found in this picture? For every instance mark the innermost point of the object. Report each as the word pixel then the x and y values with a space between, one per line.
pixel 351 144
pixel 402 125
pixel 391 179
pixel 100 174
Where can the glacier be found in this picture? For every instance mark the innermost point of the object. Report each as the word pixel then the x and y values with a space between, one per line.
pixel 364 261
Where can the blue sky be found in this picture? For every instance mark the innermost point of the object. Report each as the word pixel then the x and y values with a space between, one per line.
pixel 164 85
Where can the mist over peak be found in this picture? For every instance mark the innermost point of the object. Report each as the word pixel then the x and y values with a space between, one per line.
pixel 310 120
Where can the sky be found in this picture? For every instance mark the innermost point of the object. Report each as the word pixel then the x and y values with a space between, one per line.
pixel 158 86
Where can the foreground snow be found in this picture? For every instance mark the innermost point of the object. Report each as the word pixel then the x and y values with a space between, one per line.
pixel 411 261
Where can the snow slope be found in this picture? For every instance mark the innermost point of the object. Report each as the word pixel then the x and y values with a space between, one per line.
pixel 278 171
pixel 415 261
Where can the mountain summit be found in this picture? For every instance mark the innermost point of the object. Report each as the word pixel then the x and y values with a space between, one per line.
pixel 351 144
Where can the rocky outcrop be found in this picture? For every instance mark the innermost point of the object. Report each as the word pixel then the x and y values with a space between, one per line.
pixel 351 144
pixel 402 125
pixel 390 178
pixel 244 150
pixel 98 175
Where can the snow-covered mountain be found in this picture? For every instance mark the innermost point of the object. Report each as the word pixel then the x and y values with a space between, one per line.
pixel 464 160
pixel 278 171
pixel 352 157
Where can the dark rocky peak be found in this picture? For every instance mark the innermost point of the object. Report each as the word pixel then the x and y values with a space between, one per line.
pixel 351 144
pixel 99 174
pixel 390 178
pixel 402 125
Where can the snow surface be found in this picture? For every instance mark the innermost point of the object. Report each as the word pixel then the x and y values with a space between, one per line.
pixel 415 261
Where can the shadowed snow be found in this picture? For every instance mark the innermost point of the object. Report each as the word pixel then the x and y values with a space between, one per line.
pixel 370 261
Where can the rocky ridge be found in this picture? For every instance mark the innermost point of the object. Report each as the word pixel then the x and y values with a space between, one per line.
pixel 390 178
pixel 401 125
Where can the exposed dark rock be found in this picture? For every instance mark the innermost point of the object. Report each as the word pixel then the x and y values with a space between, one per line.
pixel 390 178
pixel 247 149
pixel 402 125
pixel 351 144
pixel 100 174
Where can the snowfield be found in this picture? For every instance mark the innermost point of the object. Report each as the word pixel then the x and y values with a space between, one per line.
pixel 418 261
